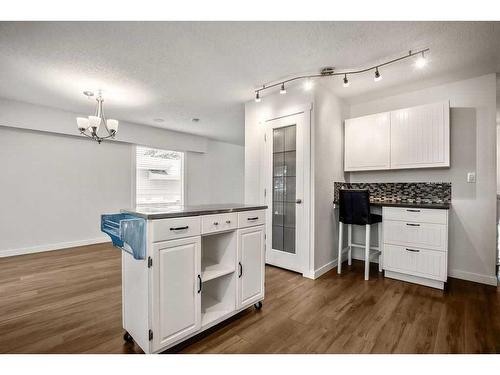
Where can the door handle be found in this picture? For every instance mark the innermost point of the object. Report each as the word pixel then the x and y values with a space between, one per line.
pixel 298 201
pixel 199 284
pixel 241 270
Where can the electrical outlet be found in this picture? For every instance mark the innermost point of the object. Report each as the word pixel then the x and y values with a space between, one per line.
pixel 471 177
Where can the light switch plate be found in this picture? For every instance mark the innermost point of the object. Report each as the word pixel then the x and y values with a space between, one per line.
pixel 471 177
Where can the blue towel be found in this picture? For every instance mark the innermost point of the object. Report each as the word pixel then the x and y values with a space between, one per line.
pixel 127 232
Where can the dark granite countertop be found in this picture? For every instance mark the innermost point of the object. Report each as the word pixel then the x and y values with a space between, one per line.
pixel 157 212
pixel 388 203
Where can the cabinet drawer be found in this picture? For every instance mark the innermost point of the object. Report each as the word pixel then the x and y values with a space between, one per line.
pixel 427 235
pixel 420 215
pixel 416 261
pixel 251 218
pixel 167 229
pixel 218 223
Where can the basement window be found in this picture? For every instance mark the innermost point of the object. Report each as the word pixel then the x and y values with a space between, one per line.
pixel 159 177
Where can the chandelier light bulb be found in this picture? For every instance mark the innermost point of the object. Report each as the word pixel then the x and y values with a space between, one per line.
pixel 421 61
pixel 346 82
pixel 308 85
pixel 82 123
pixel 377 77
pixel 283 90
pixel 112 125
pixel 94 122
pixel 257 97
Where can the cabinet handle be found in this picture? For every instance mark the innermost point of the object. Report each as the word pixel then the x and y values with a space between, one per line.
pixel 241 269
pixel 228 221
pixel 413 250
pixel 412 225
pixel 216 223
pixel 413 210
pixel 199 284
pixel 180 228
pixel 253 218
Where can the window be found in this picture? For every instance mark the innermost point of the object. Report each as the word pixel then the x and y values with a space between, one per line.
pixel 159 177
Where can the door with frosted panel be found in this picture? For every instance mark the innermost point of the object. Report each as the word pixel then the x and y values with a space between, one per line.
pixel 286 232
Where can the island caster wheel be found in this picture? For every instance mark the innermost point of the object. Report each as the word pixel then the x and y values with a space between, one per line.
pixel 258 305
pixel 127 337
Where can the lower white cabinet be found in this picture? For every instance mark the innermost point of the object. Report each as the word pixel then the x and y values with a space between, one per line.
pixel 250 265
pixel 415 245
pixel 186 285
pixel 176 290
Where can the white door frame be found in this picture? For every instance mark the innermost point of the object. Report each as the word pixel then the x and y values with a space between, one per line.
pixel 306 254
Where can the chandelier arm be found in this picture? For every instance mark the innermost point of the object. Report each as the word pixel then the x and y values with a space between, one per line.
pixel 348 72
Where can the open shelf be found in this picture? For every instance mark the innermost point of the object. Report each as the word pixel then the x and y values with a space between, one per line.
pixel 211 269
pixel 218 298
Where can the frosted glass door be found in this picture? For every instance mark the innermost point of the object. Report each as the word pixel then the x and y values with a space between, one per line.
pixel 283 194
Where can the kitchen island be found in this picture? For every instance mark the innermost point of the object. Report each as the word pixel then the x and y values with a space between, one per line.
pixel 201 265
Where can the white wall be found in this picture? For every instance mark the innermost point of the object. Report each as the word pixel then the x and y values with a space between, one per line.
pixel 472 227
pixel 57 186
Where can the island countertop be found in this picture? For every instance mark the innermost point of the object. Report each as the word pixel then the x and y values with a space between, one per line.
pixel 157 212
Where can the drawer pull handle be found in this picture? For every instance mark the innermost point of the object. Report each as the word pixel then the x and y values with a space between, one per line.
pixel 216 223
pixel 413 210
pixel 412 225
pixel 253 218
pixel 413 250
pixel 241 270
pixel 200 283
pixel 228 221
pixel 180 228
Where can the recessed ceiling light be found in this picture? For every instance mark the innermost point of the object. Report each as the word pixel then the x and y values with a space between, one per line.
pixel 158 120
pixel 195 119
pixel 88 93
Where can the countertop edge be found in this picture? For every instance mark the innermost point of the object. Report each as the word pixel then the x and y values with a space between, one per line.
pixel 432 206
pixel 201 212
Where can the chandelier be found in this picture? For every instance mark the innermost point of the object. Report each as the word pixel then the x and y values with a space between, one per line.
pixel 90 126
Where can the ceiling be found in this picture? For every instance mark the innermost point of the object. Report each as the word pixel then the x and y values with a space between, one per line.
pixel 181 70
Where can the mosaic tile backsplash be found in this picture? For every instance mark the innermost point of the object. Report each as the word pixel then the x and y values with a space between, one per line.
pixel 419 192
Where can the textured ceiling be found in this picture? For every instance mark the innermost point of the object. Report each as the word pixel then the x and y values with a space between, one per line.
pixel 180 70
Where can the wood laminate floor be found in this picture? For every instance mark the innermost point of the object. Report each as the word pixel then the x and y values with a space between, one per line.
pixel 69 301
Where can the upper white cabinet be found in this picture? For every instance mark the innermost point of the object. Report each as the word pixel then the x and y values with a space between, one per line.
pixel 416 137
pixel 420 137
pixel 367 143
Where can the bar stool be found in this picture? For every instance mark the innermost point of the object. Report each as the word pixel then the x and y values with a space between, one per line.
pixel 354 209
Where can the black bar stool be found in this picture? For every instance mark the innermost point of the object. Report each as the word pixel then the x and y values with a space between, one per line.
pixel 354 209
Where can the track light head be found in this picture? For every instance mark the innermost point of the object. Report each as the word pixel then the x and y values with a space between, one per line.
pixel 421 61
pixel 257 97
pixel 346 81
pixel 283 90
pixel 377 77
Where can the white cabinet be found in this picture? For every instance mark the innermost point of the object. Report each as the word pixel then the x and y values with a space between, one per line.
pixel 250 265
pixel 420 137
pixel 416 137
pixel 415 245
pixel 367 143
pixel 176 290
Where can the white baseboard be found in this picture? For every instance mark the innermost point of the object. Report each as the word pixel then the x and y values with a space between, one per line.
pixel 476 277
pixel 51 247
pixel 324 269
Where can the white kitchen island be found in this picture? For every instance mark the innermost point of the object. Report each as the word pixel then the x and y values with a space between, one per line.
pixel 202 265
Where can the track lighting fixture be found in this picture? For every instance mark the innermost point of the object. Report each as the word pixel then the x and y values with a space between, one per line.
pixel 346 81
pixel 330 72
pixel 421 61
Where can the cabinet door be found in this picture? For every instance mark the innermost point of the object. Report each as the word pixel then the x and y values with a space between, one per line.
pixel 367 143
pixel 250 265
pixel 420 136
pixel 176 298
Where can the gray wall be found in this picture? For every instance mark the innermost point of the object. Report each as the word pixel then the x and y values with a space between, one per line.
pixel 55 187
pixel 472 226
